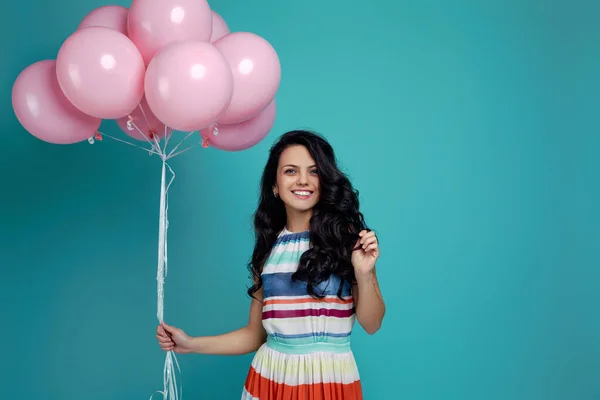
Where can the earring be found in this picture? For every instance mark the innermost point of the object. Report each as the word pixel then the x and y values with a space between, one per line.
pixel 275 194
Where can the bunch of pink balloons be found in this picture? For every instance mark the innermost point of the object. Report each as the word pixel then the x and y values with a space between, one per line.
pixel 163 64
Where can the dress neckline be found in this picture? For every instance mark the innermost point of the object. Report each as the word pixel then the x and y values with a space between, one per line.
pixel 285 231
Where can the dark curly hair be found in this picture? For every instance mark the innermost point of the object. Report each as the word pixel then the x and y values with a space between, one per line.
pixel 334 226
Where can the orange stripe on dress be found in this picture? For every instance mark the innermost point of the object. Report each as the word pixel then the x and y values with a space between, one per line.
pixel 265 389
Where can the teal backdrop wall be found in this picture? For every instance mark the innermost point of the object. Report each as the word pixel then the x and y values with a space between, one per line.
pixel 471 131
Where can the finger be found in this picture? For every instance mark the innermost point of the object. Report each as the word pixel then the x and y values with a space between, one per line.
pixel 168 328
pixel 368 236
pixel 161 332
pixel 164 339
pixel 369 241
pixel 166 344
pixel 372 248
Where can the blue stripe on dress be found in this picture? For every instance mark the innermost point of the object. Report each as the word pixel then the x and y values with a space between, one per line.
pixel 281 284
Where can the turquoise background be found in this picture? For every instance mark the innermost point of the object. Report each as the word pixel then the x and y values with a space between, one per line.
pixel 471 131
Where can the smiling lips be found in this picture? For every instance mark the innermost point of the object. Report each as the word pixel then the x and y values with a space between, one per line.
pixel 302 194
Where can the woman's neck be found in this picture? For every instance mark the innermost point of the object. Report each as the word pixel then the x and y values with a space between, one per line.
pixel 298 221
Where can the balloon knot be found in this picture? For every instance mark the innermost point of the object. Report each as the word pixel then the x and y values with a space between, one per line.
pixel 98 136
pixel 205 142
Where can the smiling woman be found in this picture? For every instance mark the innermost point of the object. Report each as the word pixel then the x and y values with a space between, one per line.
pixel 297 184
pixel 313 269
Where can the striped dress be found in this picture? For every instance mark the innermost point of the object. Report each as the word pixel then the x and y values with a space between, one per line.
pixel 307 354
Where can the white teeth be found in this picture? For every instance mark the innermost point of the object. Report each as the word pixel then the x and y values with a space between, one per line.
pixel 299 193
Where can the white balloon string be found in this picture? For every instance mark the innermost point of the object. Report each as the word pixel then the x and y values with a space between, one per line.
pixel 162 226
pixel 179 144
pixel 153 134
pixel 181 151
pixel 167 133
pixel 157 145
pixel 132 125
pixel 167 215
pixel 151 151
pixel 170 390
pixel 144 114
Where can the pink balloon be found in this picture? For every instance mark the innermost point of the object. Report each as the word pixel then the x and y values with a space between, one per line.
pixel 153 24
pixel 113 17
pixel 44 111
pixel 243 135
pixel 219 27
pixel 101 72
pixel 188 85
pixel 143 119
pixel 256 74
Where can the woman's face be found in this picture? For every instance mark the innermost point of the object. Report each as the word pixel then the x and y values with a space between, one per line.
pixel 297 182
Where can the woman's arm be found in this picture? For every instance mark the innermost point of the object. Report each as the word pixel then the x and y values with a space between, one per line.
pixel 368 300
pixel 241 341
pixel 370 308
